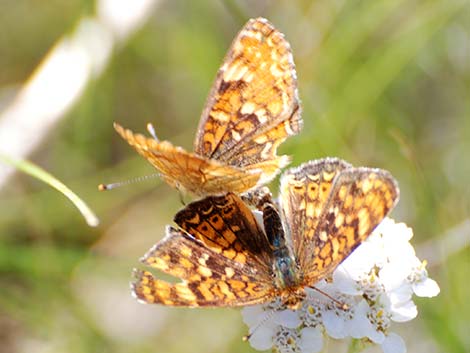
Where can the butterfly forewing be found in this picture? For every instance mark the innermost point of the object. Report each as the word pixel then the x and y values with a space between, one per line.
pixel 227 226
pixel 255 92
pixel 359 200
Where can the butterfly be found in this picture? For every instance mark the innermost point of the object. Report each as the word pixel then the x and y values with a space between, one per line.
pixel 223 257
pixel 252 108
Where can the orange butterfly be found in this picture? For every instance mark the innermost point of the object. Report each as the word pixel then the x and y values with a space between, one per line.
pixel 252 108
pixel 224 257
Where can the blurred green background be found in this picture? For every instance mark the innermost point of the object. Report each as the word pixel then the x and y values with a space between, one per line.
pixel 383 84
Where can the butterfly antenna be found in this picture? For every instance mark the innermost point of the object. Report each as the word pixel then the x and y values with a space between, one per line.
pixel 266 318
pixel 341 305
pixel 151 131
pixel 104 187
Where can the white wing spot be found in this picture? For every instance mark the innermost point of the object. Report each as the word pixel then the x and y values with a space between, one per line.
pixel 229 272
pixel 236 135
pixel 248 108
pixel 266 150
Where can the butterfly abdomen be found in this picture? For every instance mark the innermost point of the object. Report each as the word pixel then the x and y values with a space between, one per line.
pixel 284 267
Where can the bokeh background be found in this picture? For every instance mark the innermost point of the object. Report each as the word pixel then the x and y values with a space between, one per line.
pixel 383 84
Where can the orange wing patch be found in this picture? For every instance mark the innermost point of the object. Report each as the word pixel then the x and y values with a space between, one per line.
pixel 252 108
pixel 227 226
pixel 206 292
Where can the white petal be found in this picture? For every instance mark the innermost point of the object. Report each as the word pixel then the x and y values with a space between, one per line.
pixel 252 314
pixel 334 324
pixel 360 326
pixel 394 242
pixel 393 344
pixel 262 338
pixel 427 288
pixel 394 232
pixel 344 282
pixel 384 225
pixel 311 340
pixel 287 318
pixel 315 296
pixel 402 251
pixel 361 260
pixel 404 312
pixel 393 275
pixel 400 295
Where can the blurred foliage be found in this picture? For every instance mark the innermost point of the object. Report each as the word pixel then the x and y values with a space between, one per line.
pixel 383 83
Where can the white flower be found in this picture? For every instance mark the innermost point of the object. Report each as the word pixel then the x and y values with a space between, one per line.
pixel 375 284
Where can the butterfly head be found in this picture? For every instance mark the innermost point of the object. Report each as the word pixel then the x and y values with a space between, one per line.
pixel 293 297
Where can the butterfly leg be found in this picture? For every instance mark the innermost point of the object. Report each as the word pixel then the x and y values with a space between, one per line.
pixel 340 305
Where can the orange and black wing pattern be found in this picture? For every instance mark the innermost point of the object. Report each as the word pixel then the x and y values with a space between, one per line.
pixel 189 172
pixel 304 192
pixel 212 255
pixel 252 108
pixel 340 208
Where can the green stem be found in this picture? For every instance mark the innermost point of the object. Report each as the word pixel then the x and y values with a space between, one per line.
pixel 41 174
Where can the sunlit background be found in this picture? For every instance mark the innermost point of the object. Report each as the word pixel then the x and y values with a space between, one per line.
pixel 383 84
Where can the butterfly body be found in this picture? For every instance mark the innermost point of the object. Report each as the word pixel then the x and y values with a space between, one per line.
pixel 285 271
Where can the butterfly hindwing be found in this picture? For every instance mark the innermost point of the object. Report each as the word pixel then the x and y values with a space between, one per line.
pixel 189 172
pixel 303 194
pixel 207 277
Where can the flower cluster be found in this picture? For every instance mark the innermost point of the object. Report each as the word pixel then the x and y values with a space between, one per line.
pixel 375 284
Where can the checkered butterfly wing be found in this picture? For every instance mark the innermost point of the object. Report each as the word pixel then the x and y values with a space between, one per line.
pixel 253 106
pixel 330 208
pixel 220 255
